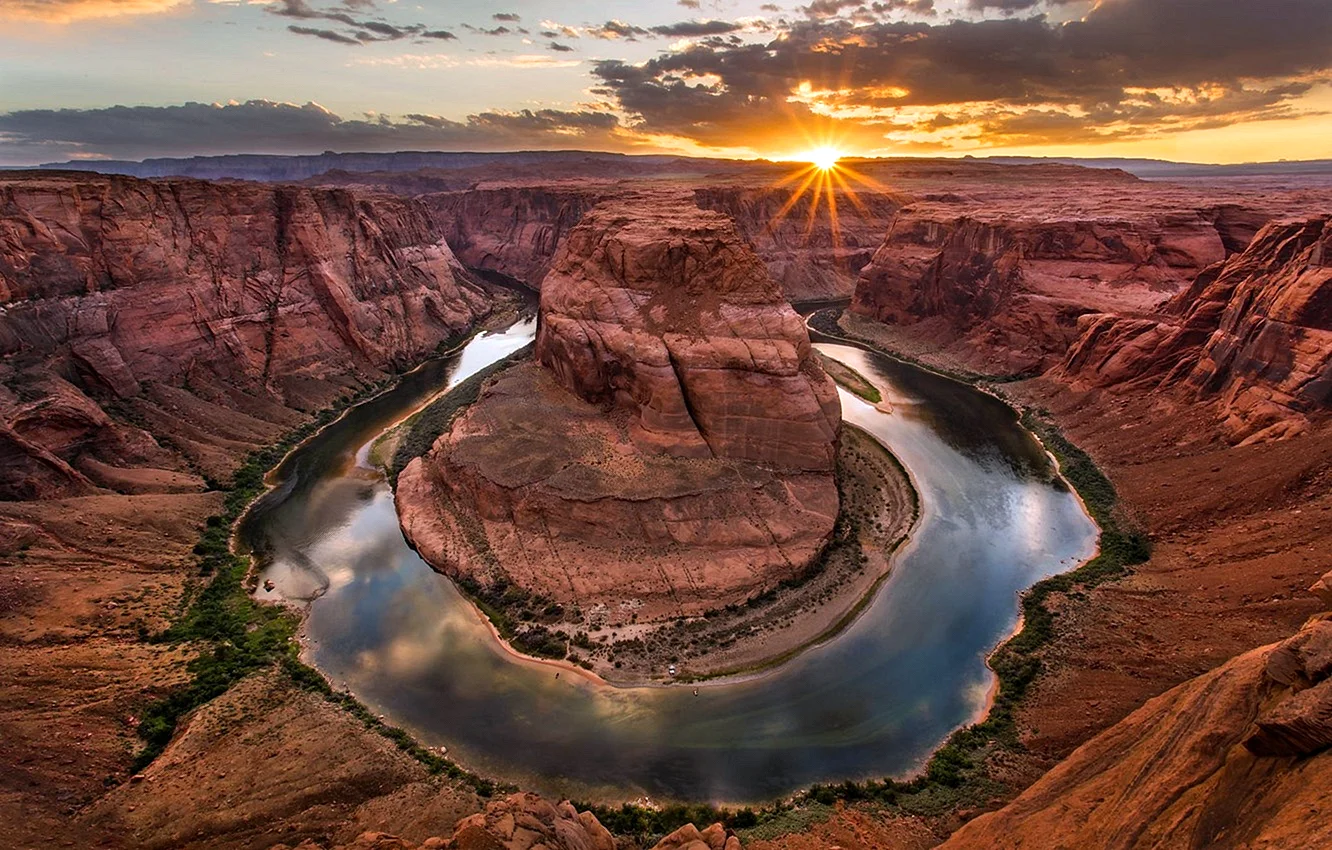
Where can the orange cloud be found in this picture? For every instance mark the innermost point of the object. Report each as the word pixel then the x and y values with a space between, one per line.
pixel 68 11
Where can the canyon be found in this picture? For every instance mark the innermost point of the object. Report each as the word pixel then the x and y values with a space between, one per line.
pixel 671 450
pixel 153 332
pixel 210 317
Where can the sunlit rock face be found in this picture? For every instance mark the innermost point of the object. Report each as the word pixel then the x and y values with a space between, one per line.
pixel 208 309
pixel 1011 287
pixel 672 449
pixel 1238 757
pixel 810 253
pixel 1253 333
pixel 667 314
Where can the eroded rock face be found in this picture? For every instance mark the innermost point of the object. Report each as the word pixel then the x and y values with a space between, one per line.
pixel 690 837
pixel 256 299
pixel 528 822
pixel 672 453
pixel 1253 333
pixel 515 231
pixel 525 821
pixel 808 253
pixel 670 316
pixel 130 280
pixel 1014 288
pixel 1205 765
pixel 518 230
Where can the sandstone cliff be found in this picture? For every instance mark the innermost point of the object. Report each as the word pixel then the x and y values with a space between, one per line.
pixel 813 248
pixel 1237 758
pixel 1010 289
pixel 1253 333
pixel 206 314
pixel 515 231
pixel 674 451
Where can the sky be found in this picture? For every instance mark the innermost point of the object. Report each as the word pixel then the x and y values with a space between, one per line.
pixel 1190 80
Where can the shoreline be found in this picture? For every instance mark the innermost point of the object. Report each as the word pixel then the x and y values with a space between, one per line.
pixel 853 588
pixel 979 383
pixel 922 773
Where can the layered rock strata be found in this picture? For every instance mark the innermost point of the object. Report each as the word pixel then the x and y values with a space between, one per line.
pixel 515 231
pixel 1253 333
pixel 671 452
pixel 212 312
pixel 814 244
pixel 1010 289
pixel 1237 758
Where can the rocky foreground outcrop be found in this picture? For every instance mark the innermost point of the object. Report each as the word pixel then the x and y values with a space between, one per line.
pixel 1237 758
pixel 672 452
pixel 1253 333
pixel 527 822
pixel 199 312
pixel 1010 289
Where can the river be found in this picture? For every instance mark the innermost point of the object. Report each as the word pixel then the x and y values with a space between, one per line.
pixel 873 701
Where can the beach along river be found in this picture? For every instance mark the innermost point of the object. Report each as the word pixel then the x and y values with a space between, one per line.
pixel 875 700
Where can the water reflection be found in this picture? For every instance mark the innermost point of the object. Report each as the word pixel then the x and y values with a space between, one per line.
pixel 874 701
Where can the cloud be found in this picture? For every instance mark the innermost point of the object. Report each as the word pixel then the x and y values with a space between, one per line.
pixel 326 35
pixel 698 28
pixel 1160 65
pixel 69 11
pixel 135 132
pixel 614 29
pixel 353 30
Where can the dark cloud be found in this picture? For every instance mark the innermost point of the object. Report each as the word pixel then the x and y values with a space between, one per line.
pixel 1008 7
pixel 1219 60
pixel 828 8
pixel 507 17
pixel 697 28
pixel 614 29
pixel 326 35
pixel 559 48
pixel 135 132
pixel 355 29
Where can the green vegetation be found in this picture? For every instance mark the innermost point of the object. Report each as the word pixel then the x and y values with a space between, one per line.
pixel 826 323
pixel 958 772
pixel 239 636
pixel 236 635
pixel 849 378
pixel 429 423
pixel 643 823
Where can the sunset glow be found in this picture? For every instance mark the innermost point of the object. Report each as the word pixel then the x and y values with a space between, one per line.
pixel 814 82
pixel 824 159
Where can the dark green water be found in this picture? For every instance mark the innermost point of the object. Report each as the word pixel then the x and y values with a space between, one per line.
pixel 873 701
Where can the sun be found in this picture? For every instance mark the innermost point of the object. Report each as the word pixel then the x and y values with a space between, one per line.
pixel 821 180
pixel 824 159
